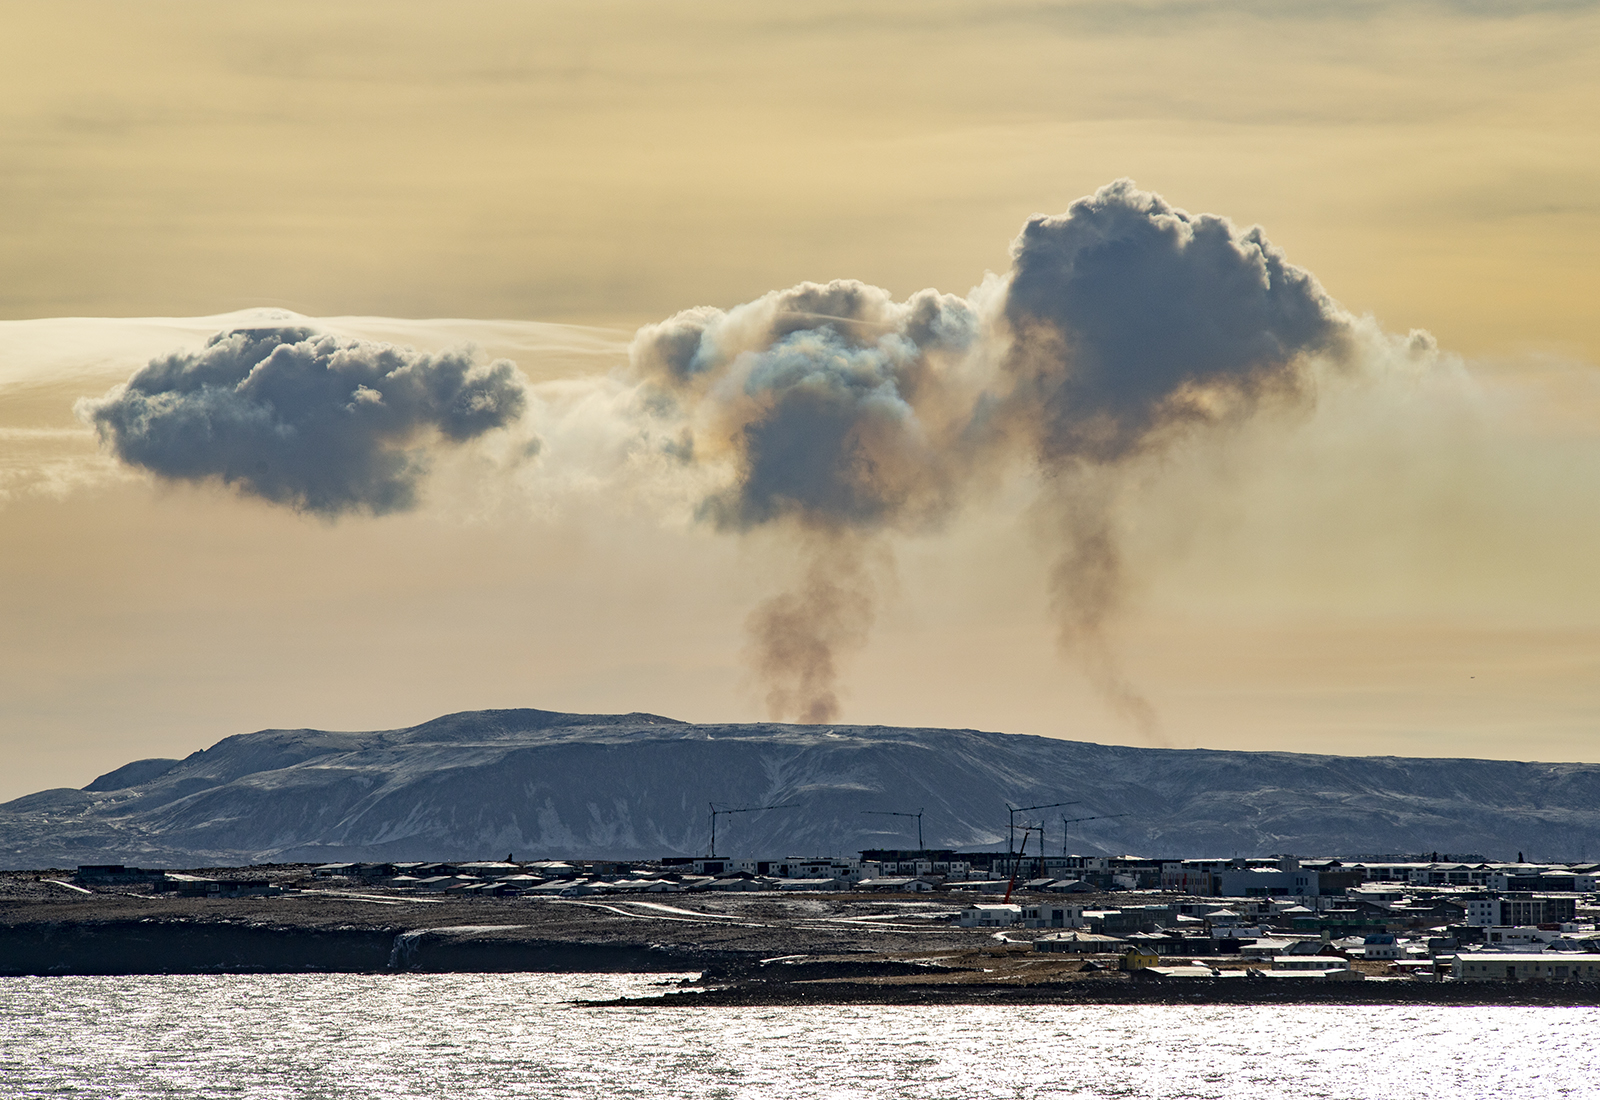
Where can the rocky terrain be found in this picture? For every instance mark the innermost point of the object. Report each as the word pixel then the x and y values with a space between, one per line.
pixel 49 925
pixel 546 785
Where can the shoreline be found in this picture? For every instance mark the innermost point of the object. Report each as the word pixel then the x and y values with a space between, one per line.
pixel 1111 992
pixel 750 949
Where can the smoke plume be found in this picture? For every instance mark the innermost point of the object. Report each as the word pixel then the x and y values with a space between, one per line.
pixel 322 425
pixel 829 415
pixel 1132 323
pixel 832 407
pixel 797 636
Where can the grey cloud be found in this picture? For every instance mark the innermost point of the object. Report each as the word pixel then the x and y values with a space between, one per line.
pixel 297 418
pixel 1131 315
pixel 1133 321
pixel 1123 323
pixel 821 394
pixel 827 401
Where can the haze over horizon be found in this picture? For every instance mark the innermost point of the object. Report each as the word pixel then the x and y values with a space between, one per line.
pixel 1131 473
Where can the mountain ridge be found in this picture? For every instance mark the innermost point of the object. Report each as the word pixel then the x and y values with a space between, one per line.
pixel 549 783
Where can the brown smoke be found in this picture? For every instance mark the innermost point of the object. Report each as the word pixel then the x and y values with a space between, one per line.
pixel 1134 324
pixel 797 636
pixel 1087 586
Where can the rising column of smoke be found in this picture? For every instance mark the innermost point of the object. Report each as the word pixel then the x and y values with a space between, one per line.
pixel 1133 322
pixel 798 636
pixel 829 408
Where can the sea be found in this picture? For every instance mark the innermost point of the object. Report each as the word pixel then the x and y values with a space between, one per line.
pixel 461 1036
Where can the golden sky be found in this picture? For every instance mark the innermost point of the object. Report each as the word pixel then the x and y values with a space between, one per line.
pixel 1406 568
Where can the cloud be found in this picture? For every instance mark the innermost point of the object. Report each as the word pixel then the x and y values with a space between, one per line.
pixel 826 401
pixel 1132 323
pixel 1132 317
pixel 1124 325
pixel 311 421
pixel 830 414
pixel 831 407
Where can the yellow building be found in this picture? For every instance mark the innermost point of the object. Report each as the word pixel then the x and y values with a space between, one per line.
pixel 1138 958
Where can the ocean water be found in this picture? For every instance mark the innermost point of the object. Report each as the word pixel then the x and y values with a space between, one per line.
pixel 458 1036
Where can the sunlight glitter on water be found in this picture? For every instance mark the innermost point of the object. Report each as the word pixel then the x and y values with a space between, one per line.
pixel 461 1035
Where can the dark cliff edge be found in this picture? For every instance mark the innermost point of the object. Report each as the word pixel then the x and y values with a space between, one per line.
pixel 182 947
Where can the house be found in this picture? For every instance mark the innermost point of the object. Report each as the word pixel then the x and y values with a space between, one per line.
pixel 1140 958
pixel 1070 886
pixel 1052 915
pixel 1380 946
pixel 1265 949
pixel 1078 943
pixel 1332 974
pixel 990 916
pixel 115 874
pixel 189 886
pixel 1308 963
pixel 1529 937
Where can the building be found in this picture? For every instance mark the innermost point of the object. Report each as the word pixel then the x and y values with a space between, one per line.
pixel 1555 966
pixel 1521 909
pixel 1310 962
pixel 1139 958
pixel 1380 946
pixel 1078 943
pixel 1259 882
pixel 990 916
pixel 1194 877
pixel 1052 915
pixel 1555 879
pixel 845 870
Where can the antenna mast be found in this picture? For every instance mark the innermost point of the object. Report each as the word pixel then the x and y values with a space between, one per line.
pixel 897 813
pixel 716 813
pixel 1011 831
pixel 1073 821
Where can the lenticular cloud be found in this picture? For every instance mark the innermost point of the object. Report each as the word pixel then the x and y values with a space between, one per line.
pixel 310 421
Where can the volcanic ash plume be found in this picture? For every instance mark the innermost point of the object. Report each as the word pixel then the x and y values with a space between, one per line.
pixel 833 408
pixel 1132 323
pixel 320 424
pixel 798 636
pixel 827 415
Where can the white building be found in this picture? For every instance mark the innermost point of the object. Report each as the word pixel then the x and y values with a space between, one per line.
pixel 1052 915
pixel 1381 946
pixel 1499 966
pixel 990 916
pixel 845 870
pixel 1521 909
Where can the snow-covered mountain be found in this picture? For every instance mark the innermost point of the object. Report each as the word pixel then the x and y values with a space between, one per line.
pixel 539 784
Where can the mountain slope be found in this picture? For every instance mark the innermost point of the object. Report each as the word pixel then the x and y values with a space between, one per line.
pixel 537 783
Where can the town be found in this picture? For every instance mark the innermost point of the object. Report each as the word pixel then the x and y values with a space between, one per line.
pixel 1429 917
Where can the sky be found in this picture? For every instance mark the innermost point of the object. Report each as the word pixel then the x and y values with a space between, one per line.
pixel 1328 486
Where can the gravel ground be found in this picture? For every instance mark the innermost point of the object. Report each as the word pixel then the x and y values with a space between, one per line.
pixel 759 924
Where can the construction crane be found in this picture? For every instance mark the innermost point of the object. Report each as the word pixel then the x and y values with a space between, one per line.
pixel 1073 821
pixel 1015 810
pixel 897 813
pixel 716 813
pixel 1026 829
